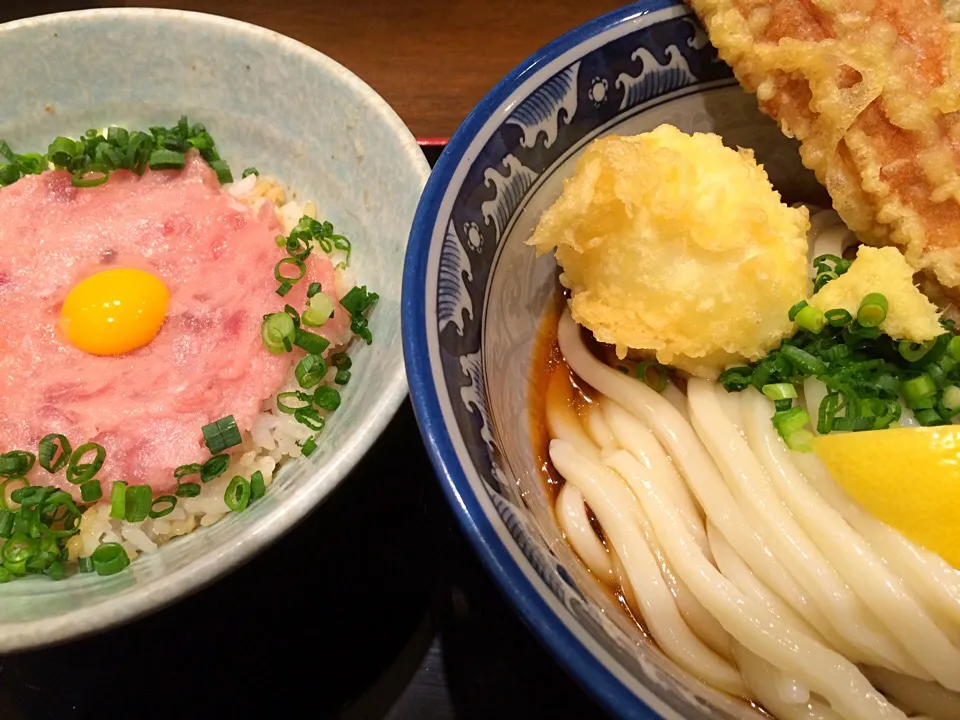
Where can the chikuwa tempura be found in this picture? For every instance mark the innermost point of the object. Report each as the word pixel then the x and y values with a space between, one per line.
pixel 170 335
pixel 753 419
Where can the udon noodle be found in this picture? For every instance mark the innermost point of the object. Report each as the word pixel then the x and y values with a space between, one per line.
pixel 750 567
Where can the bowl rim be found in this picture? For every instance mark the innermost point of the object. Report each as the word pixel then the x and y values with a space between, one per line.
pixel 156 593
pixel 582 664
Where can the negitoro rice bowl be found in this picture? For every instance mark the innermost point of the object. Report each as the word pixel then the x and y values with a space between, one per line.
pixel 173 333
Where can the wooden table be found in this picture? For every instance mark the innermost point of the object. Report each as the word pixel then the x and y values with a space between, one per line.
pixel 432 60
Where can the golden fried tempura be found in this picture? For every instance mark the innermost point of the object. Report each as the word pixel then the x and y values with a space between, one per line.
pixel 871 88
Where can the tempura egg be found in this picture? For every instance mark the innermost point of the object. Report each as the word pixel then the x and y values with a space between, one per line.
pixel 114 311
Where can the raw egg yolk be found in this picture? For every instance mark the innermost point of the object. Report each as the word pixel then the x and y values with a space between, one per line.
pixel 114 311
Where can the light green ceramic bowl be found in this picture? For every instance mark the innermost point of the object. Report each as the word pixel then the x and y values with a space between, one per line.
pixel 272 103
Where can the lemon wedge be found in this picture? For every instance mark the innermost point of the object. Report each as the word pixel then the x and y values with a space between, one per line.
pixel 907 477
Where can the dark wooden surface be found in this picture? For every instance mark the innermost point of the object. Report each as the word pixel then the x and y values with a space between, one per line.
pixel 375 606
pixel 432 60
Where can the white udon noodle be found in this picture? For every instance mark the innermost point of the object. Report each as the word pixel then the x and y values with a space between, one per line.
pixel 746 562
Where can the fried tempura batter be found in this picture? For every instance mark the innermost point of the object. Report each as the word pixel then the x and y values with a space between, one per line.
pixel 871 88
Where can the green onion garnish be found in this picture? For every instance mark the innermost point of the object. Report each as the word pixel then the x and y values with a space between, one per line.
pixel 802 360
pixel 294 315
pixel 341 360
pixel 118 500
pixel 214 467
pixel 356 302
pixel 312 343
pixel 16 463
pixel 92 176
pixel 811 319
pixel 188 490
pixel 221 434
pixel 222 170
pixel 91 491
pixel 913 352
pixel 319 311
pixel 85 564
pixel 283 407
pixel 6 523
pixel 53 452
pixel 109 559
pixel 791 424
pixel 184 470
pixel 313 289
pixel 257 486
pixel 838 317
pixel 137 503
pixel 162 506
pixel 951 399
pixel 327 398
pixel 873 310
pixel 278 333
pixel 658 381
pixel 310 417
pixel 78 472
pixel 310 371
pixel 780 391
pixel 918 387
pixel 237 495
pixel 250 171
pixel 342 377
pixel 166 160
pixel 309 446
pixel 792 312
pixel 300 270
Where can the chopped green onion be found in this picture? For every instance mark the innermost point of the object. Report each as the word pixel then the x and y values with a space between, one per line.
pixel 309 446
pixel 310 417
pixel 284 288
pixel 319 311
pixel 358 300
pixel 184 470
pixel 91 491
pixel 250 171
pixel 237 495
pixel 301 270
pixel 214 467
pixel 278 333
pixel 89 177
pixel 918 387
pixel 838 317
pixel 953 347
pixel 327 398
pixel 283 407
pixel 791 425
pixel 137 503
pixel 6 523
pixel 310 371
pixel 780 391
pixel 928 418
pixel 257 486
pixel 873 310
pixel 162 506
pixel 109 559
pixel 342 377
pixel 658 383
pixel 341 360
pixel 222 170
pixel 56 571
pixel 912 352
pixel 16 463
pixel 6 491
pixel 792 312
pixel 118 500
pixel 85 564
pixel 811 319
pixel 735 379
pixel 951 399
pixel 313 289
pixel 47 452
pixel 312 343
pixel 221 434
pixel 166 160
pixel 188 490
pixel 77 472
pixel 802 360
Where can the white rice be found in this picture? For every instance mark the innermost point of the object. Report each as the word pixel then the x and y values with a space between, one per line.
pixel 274 436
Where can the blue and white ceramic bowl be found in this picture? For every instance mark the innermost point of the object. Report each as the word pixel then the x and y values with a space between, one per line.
pixel 295 114
pixel 473 295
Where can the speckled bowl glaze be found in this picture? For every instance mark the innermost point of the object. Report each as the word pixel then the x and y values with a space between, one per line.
pixel 272 103
pixel 474 293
